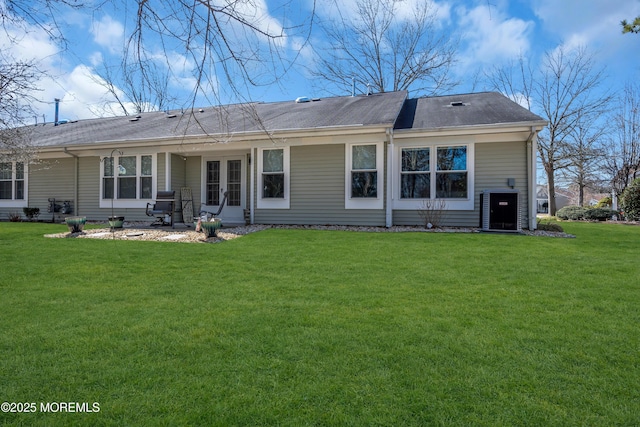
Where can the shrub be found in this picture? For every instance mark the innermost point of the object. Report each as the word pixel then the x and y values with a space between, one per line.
pixel 432 212
pixel 15 217
pixel 605 202
pixel 599 214
pixel 31 213
pixel 550 226
pixel 630 201
pixel 574 213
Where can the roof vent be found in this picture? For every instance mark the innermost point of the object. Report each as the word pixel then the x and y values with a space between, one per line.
pixel 302 99
pixel 134 119
pixel 170 116
pixel 201 110
pixel 457 104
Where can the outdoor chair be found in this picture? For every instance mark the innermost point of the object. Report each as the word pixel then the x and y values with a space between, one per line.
pixel 206 214
pixel 163 207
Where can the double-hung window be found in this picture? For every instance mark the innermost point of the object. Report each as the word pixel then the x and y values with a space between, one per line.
pixel 451 173
pixel 364 173
pixel 273 174
pixel 127 179
pixel 435 172
pixel 415 175
pixel 12 184
pixel 273 167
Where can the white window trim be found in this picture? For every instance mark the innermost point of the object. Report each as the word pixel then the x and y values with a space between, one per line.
pixel 129 203
pixel 466 204
pixel 17 203
pixel 364 202
pixel 271 203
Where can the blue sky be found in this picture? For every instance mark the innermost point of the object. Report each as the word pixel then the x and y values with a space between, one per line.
pixel 491 33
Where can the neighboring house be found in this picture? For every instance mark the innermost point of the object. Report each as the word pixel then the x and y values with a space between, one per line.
pixel 363 160
pixel 563 198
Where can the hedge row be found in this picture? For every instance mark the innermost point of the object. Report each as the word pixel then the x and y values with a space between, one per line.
pixel 578 213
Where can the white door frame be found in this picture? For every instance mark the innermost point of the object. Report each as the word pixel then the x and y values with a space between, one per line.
pixel 230 214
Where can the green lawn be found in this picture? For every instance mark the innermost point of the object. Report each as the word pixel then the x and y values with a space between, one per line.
pixel 305 327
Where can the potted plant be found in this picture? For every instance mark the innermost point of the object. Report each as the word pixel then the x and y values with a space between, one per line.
pixel 75 223
pixel 116 221
pixel 210 228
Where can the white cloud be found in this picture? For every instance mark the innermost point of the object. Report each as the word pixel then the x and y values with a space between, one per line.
pixel 594 24
pixel 108 33
pixel 34 44
pixel 492 37
pixel 82 95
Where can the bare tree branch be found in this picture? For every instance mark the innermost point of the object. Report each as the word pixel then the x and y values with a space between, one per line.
pixel 389 53
pixel 17 86
pixel 567 91
pixel 623 157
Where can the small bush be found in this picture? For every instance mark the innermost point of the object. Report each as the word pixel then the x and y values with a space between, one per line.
pixel 599 214
pixel 573 213
pixel 550 226
pixel 31 213
pixel 630 201
pixel 15 217
pixel 605 202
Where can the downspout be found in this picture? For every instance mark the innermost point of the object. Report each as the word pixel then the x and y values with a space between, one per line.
pixel 252 164
pixel 389 192
pixel 76 178
pixel 532 149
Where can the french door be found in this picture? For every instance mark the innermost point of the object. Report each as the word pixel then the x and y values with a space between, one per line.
pixel 225 174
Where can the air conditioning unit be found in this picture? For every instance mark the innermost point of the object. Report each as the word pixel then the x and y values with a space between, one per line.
pixel 500 210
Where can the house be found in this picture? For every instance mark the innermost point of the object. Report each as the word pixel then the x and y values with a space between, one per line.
pixel 563 198
pixel 353 160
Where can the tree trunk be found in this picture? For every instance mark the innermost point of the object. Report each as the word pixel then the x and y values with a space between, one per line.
pixel 581 194
pixel 551 192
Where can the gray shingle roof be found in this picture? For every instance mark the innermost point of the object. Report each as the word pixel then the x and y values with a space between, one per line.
pixel 378 109
pixel 390 109
pixel 473 109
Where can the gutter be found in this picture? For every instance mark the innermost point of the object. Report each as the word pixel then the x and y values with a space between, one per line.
pixel 488 127
pixel 222 139
pixel 76 178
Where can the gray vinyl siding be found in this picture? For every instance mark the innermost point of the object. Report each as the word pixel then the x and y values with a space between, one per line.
pixel 89 195
pixel 318 191
pixel 178 180
pixel 89 189
pixel 494 164
pixel 193 179
pixel 53 178
pixel 162 176
pixel 89 192
pixel 497 162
